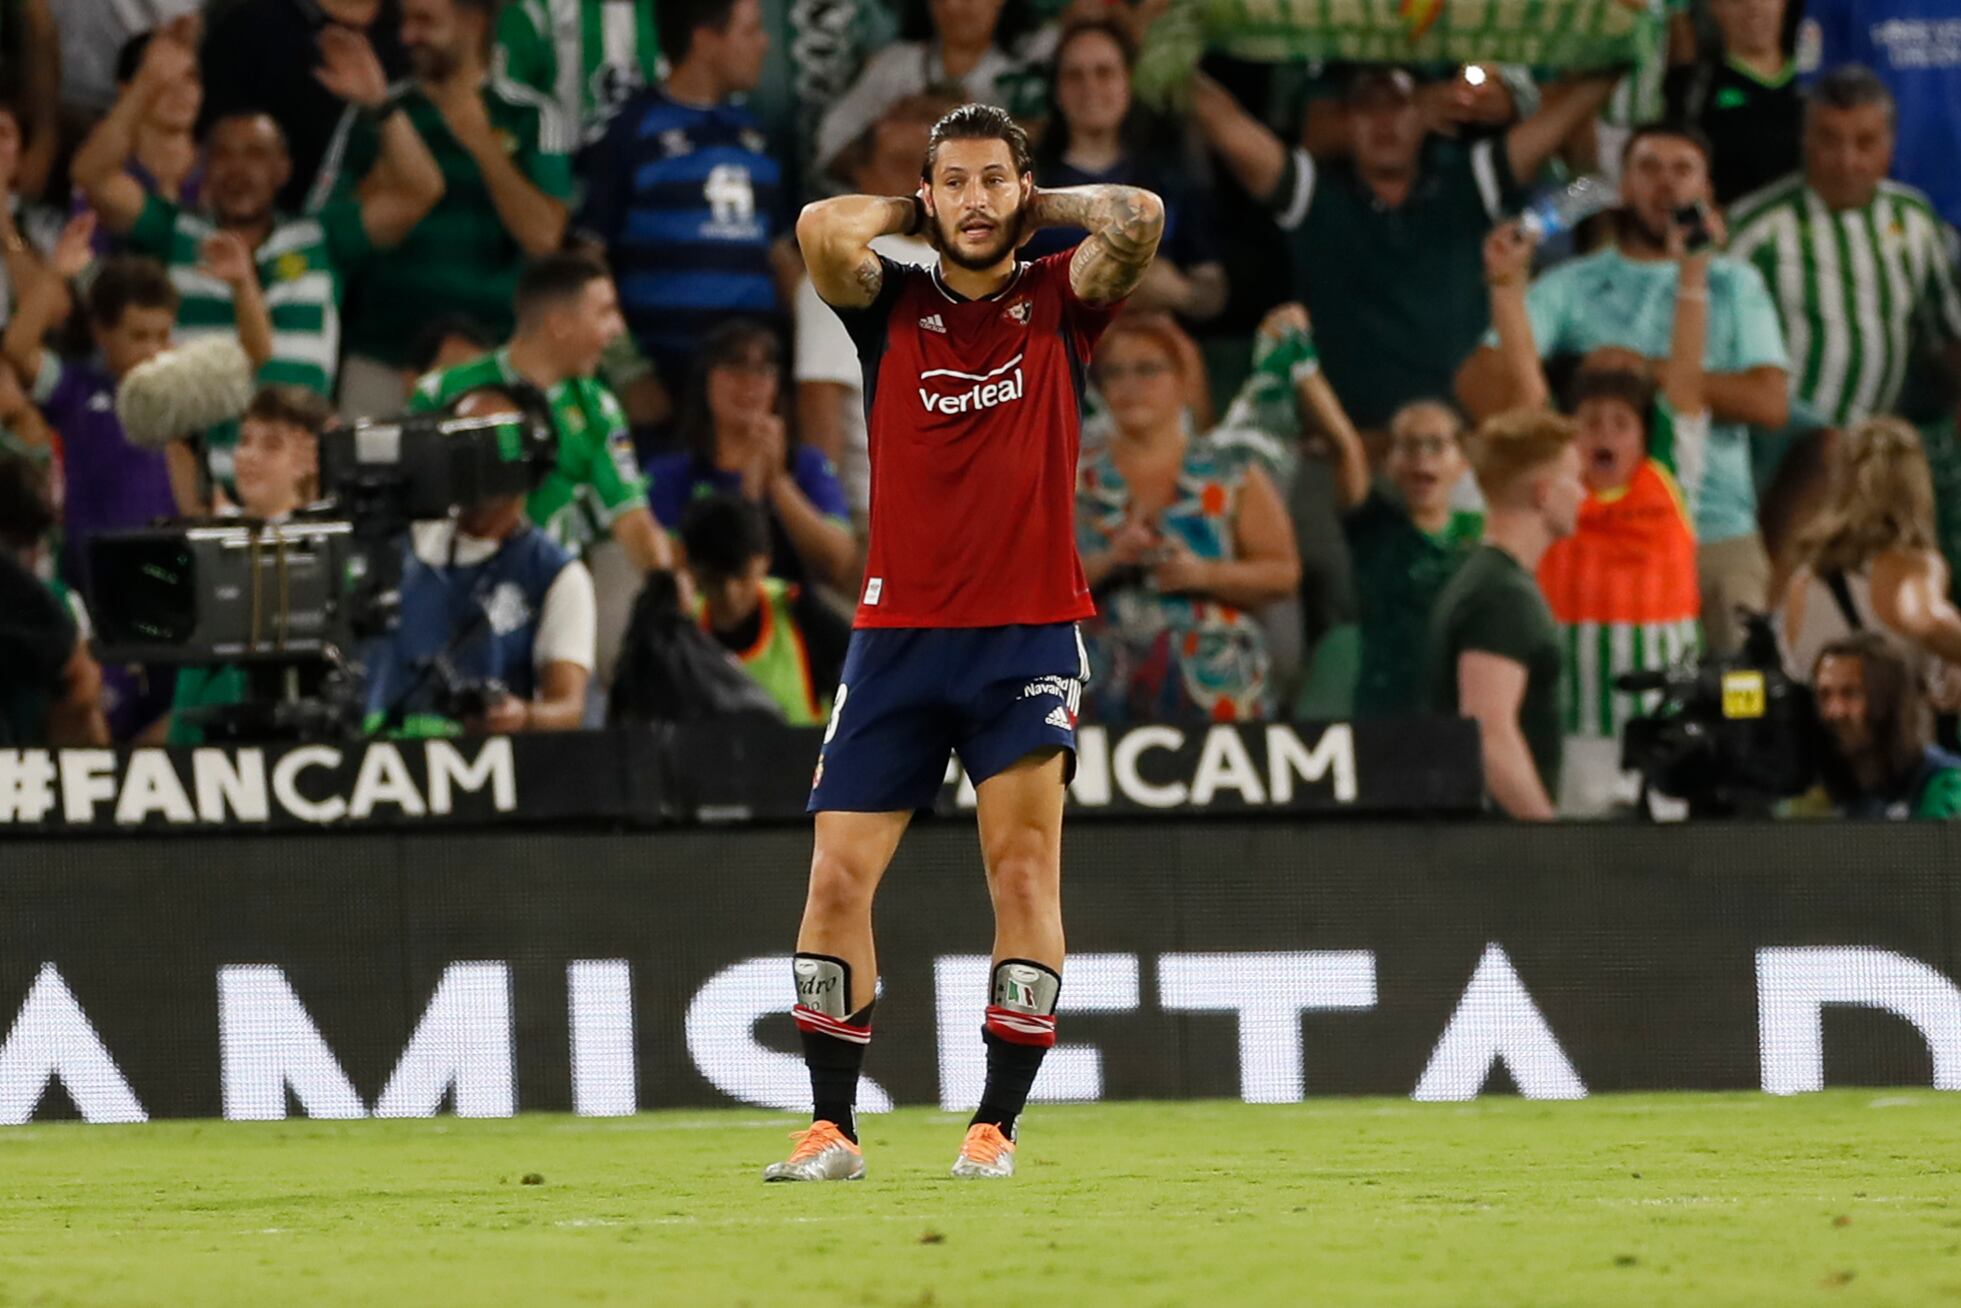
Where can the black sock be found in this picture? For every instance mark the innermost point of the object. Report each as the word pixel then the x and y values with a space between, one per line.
pixel 1011 1069
pixel 834 1063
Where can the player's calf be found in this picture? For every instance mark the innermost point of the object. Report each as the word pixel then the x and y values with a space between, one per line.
pixel 1019 1030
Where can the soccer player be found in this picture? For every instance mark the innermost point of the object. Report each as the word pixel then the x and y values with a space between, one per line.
pixel 965 637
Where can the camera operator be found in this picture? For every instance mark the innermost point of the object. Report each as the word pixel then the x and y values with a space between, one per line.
pixel 497 627
pixel 1877 759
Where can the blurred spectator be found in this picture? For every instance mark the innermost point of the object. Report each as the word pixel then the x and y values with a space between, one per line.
pixel 683 189
pixel 1858 264
pixel 264 56
pixel 567 314
pixel 445 342
pixel 588 56
pixel 1879 760
pixel 1871 561
pixel 1407 539
pixel 1915 47
pixel 27 230
pixel 1097 134
pixel 736 444
pixel 982 51
pixel 830 377
pixel 493 613
pixel 1623 586
pixel 502 150
pixel 52 691
pixel 37 89
pixel 109 483
pixel 1617 307
pixel 301 263
pixel 1386 242
pixel 1493 652
pixel 1179 546
pixel 163 155
pixel 789 640
pixel 93 36
pixel 1743 95
pixel 276 472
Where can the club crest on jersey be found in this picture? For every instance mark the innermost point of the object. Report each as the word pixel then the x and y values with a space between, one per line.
pixel 985 391
pixel 1021 310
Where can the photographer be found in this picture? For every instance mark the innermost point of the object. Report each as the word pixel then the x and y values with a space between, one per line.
pixel 497 628
pixel 1877 759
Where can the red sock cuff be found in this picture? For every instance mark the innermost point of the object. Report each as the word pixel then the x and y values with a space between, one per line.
pixel 1021 1028
pixel 818 1022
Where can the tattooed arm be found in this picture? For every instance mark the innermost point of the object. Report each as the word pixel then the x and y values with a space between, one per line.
pixel 836 236
pixel 1124 224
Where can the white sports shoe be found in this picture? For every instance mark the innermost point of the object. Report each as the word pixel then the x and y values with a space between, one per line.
pixel 985 1154
pixel 823 1153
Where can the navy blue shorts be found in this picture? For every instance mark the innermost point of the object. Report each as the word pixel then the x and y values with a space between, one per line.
pixel 909 696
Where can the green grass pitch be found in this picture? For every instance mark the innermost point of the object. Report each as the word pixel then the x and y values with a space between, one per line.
pixel 1848 1197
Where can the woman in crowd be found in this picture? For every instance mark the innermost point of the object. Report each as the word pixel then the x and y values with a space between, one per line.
pixel 1179 544
pixel 987 51
pixel 737 444
pixel 1098 134
pixel 1871 562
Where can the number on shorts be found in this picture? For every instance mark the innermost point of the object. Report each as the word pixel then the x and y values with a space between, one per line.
pixel 837 708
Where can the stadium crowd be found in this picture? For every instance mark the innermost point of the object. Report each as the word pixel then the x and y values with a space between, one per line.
pixel 1362 444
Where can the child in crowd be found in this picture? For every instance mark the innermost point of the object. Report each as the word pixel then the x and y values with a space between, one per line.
pixel 1623 586
pixel 785 637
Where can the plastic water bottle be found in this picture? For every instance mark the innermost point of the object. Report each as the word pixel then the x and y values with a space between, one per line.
pixel 1558 212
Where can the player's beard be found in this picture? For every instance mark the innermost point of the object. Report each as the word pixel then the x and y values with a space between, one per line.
pixel 1007 235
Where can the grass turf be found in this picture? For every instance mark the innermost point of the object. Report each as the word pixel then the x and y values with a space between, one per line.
pixel 1840 1198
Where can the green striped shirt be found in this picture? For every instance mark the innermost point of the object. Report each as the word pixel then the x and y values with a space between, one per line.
pixel 588 56
pixel 303 266
pixel 595 478
pixel 459 259
pixel 1853 287
pixel 1598 652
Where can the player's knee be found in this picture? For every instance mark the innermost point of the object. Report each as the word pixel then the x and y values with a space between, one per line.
pixel 1024 886
pixel 839 887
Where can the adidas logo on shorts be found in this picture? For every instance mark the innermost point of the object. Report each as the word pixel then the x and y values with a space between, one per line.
pixel 931 322
pixel 1059 717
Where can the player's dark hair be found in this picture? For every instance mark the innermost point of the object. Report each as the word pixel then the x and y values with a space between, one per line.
pixel 129 281
pixel 1898 720
pixel 979 122
pixel 1851 86
pixel 733 341
pixel 428 343
pixel 26 508
pixel 679 20
pixel 1616 384
pixel 724 534
pixel 552 279
pixel 1673 130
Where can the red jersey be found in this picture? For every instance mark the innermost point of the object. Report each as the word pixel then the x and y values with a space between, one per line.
pixel 974 411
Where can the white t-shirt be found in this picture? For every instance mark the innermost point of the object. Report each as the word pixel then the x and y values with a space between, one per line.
pixel 825 354
pixel 568 621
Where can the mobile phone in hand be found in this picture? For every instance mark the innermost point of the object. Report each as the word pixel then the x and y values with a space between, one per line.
pixel 1693 219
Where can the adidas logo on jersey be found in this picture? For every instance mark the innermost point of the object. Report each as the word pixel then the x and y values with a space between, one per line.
pixel 931 322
